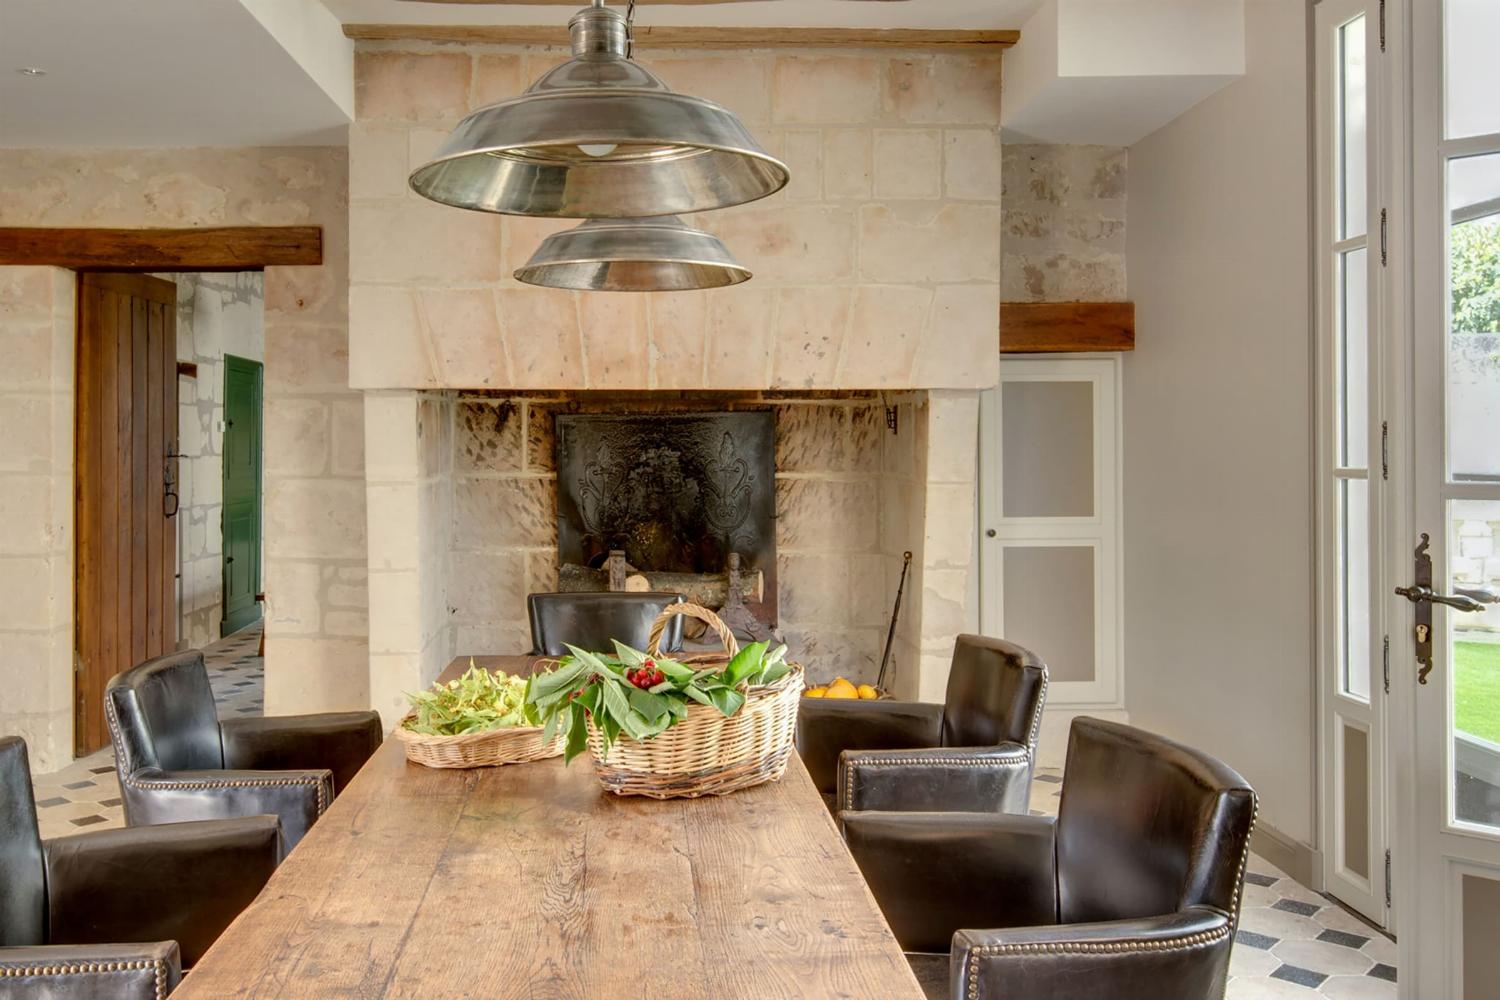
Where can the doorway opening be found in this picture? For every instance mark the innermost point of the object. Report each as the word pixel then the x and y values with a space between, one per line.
pixel 168 471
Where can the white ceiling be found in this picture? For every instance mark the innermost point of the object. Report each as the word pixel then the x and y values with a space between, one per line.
pixel 144 73
pixel 179 73
pixel 759 13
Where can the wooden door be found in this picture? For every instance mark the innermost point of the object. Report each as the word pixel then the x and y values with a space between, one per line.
pixel 125 607
pixel 242 426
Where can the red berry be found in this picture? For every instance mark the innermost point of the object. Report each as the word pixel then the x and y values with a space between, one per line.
pixel 650 663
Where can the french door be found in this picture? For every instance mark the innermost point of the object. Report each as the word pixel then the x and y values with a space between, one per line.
pixel 1352 485
pixel 1451 933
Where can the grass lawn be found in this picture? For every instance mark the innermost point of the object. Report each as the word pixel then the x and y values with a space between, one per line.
pixel 1476 693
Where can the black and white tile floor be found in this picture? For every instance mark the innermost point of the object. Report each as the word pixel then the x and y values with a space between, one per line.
pixel 85 795
pixel 1292 942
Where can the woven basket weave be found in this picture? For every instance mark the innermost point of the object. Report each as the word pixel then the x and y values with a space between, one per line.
pixel 706 754
pixel 516 745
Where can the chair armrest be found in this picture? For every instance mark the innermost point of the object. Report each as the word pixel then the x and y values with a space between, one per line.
pixel 183 882
pixel 934 873
pixel 339 741
pixel 948 779
pixel 90 971
pixel 827 728
pixel 1184 954
pixel 297 797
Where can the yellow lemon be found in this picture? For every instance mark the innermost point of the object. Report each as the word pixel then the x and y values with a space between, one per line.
pixel 842 689
pixel 868 693
pixel 814 692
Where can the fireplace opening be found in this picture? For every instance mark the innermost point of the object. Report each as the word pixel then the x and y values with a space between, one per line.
pixel 666 501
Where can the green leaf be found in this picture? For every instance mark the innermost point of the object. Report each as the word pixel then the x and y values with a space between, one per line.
pixel 678 708
pixel 772 674
pixel 627 655
pixel 564 678
pixel 676 672
pixel 615 704
pixel 549 728
pixel 653 707
pixel 727 700
pixel 746 662
pixel 697 694
pixel 636 725
pixel 578 733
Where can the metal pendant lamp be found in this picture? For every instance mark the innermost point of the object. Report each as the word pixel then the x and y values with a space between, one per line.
pixel 600 137
pixel 633 255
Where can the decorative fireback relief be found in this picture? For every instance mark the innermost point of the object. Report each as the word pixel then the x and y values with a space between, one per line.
pixel 677 491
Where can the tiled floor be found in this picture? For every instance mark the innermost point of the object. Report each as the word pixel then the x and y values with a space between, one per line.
pixel 1292 942
pixel 85 795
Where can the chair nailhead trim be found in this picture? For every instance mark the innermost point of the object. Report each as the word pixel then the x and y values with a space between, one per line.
pixel 1010 760
pixel 1184 943
pixel 129 778
pixel 80 968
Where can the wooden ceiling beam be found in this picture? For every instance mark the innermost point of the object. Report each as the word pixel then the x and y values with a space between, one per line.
pixel 1066 327
pixel 235 248
pixel 695 37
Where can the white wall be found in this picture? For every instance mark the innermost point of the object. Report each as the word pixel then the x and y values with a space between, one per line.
pixel 1218 432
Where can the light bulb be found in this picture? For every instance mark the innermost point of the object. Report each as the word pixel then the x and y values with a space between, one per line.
pixel 598 148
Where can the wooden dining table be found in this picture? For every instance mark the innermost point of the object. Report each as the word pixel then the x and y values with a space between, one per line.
pixel 530 881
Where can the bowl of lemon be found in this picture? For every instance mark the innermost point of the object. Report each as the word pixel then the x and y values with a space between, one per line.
pixel 843 688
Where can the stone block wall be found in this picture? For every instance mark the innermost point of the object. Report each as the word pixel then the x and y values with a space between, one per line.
pixel 217 314
pixel 37 333
pixel 879 267
pixel 1064 223
pixel 314 507
pixel 409 486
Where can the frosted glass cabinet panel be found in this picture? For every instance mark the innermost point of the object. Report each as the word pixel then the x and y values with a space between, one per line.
pixel 1049 605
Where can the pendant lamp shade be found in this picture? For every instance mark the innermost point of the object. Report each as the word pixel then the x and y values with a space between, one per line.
pixel 600 137
pixel 633 255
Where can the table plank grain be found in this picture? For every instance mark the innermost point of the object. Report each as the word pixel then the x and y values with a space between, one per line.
pixel 530 882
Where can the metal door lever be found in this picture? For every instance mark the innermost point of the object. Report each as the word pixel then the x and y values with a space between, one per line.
pixel 1419 593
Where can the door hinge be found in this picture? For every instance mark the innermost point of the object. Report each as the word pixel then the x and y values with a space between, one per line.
pixel 1387 877
pixel 1385 449
pixel 1384 229
pixel 1385 664
pixel 1382 25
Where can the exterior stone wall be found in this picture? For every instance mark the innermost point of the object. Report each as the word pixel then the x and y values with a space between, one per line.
pixel 36 510
pixel 217 314
pixel 314 498
pixel 879 267
pixel 1064 223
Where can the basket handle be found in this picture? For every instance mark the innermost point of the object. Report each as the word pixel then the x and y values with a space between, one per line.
pixel 707 617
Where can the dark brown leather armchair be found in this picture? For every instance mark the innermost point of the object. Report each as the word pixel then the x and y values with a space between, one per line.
pixel 1133 892
pixel 178 762
pixel 590 620
pixel 159 895
pixel 973 753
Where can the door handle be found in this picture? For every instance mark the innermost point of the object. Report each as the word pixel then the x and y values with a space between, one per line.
pixel 1462 602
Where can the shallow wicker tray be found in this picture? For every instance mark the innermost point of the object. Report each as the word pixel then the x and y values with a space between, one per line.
pixel 706 754
pixel 516 745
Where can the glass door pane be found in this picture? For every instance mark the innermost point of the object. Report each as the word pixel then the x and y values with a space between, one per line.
pixel 1473 72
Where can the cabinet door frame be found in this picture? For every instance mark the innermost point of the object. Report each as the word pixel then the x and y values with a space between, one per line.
pixel 1099 531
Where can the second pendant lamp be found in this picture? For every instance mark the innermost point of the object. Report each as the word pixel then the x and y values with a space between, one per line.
pixel 600 137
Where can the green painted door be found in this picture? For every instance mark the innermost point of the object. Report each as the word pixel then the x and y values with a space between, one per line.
pixel 241 518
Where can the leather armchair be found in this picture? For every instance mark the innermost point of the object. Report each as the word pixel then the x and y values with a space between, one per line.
pixel 1132 892
pixel 973 753
pixel 178 762
pixel 159 895
pixel 590 620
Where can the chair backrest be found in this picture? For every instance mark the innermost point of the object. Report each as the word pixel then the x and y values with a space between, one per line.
pixel 590 620
pixel 164 716
pixel 996 690
pixel 1147 827
pixel 23 887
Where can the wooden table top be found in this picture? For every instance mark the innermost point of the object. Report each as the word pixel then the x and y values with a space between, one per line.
pixel 529 881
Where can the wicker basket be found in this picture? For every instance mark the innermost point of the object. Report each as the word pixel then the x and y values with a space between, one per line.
pixel 706 754
pixel 516 745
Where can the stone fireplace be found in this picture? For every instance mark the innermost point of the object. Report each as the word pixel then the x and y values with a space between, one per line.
pixel 865 338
